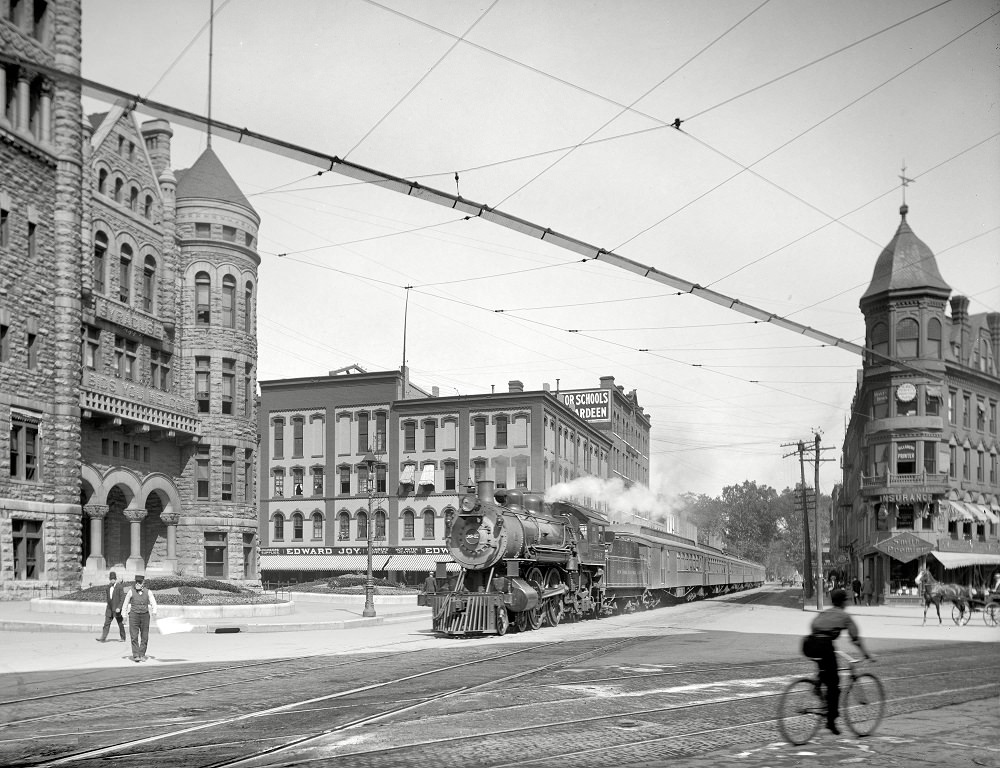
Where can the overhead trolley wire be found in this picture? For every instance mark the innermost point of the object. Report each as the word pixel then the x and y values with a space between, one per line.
pixel 468 207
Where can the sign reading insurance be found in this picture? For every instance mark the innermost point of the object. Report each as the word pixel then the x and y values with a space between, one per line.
pixel 589 404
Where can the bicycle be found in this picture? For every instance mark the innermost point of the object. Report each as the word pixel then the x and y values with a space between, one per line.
pixel 802 708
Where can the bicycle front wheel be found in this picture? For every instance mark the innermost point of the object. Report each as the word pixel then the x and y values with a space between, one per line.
pixel 800 710
pixel 864 704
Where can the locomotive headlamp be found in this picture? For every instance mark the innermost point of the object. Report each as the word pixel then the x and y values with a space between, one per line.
pixel 469 504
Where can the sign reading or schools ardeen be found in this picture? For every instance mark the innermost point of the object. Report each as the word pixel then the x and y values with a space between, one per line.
pixel 904 547
pixel 327 551
pixel 589 404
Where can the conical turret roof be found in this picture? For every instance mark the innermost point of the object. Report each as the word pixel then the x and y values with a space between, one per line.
pixel 208 178
pixel 906 264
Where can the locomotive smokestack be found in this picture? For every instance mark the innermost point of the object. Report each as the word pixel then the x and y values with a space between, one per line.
pixel 484 490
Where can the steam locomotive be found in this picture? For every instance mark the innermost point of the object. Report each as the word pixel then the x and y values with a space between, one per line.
pixel 526 562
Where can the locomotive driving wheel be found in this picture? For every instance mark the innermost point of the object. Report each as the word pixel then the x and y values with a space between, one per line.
pixel 554 605
pixel 533 616
pixel 503 620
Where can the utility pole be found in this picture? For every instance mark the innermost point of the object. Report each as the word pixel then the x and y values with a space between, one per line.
pixel 807 577
pixel 819 536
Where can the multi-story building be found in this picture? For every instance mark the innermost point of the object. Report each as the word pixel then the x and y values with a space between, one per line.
pixel 127 337
pixel 315 508
pixel 919 459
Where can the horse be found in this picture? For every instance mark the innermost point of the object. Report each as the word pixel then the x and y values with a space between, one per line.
pixel 934 593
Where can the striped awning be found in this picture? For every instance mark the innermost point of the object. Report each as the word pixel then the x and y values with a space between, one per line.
pixel 991 516
pixel 347 563
pixel 978 511
pixel 961 559
pixel 419 563
pixel 957 511
pixel 427 475
pixel 407 477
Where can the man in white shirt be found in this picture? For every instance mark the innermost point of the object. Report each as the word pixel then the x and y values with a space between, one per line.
pixel 139 606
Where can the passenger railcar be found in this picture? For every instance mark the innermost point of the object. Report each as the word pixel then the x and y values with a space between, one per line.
pixel 526 562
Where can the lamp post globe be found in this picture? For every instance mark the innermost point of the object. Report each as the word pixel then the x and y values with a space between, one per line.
pixel 369 609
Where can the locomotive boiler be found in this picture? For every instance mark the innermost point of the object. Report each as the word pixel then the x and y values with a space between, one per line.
pixel 526 562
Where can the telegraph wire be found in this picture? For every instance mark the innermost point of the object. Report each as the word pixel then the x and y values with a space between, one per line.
pixel 628 108
pixel 748 168
pixel 417 84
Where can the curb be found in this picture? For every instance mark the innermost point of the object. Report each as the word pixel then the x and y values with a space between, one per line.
pixel 15 625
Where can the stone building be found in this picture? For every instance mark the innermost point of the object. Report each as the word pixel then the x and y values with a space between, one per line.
pixel 316 432
pixel 128 355
pixel 920 483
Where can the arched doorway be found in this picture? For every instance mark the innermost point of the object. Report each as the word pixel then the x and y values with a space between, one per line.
pixel 117 541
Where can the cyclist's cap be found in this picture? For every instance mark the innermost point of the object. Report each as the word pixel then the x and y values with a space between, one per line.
pixel 838 597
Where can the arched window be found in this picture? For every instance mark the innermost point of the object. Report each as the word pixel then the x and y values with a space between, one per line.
pixel 202 299
pixel 879 343
pixel 147 207
pixel 279 526
pixel 934 338
pixel 362 525
pixel 449 518
pixel 429 524
pixel 148 284
pixel 125 273
pixel 100 261
pixel 317 520
pixel 380 524
pixel 248 308
pixel 119 186
pixel 297 527
pixel 408 524
pixel 133 199
pixel 102 181
pixel 229 301
pixel 907 338
pixel 343 527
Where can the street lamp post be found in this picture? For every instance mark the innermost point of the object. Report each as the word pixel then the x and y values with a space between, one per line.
pixel 369 610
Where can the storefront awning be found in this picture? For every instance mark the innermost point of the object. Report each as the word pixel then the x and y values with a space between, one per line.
pixel 956 510
pixel 991 516
pixel 976 510
pixel 347 563
pixel 961 559
pixel 419 563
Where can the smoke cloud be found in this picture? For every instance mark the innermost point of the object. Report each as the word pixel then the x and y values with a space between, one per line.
pixel 623 504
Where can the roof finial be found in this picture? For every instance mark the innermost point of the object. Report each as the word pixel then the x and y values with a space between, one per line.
pixel 904 208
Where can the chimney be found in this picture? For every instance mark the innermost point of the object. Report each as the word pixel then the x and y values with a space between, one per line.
pixel 157 134
pixel 515 386
pixel 435 391
pixel 960 321
pixel 993 323
pixel 546 387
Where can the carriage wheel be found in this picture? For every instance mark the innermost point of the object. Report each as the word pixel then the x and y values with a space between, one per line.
pixel 554 605
pixel 960 615
pixel 991 614
pixel 503 620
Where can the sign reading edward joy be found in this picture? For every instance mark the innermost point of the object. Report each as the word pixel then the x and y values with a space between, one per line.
pixel 589 404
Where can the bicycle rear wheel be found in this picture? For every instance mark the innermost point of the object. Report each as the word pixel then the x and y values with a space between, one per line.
pixel 864 704
pixel 800 711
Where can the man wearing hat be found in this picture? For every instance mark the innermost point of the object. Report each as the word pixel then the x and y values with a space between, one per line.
pixel 139 605
pixel 115 597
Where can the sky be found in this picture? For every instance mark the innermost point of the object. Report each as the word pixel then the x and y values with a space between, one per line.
pixel 780 187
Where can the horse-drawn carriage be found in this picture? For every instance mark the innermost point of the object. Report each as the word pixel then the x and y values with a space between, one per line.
pixel 988 604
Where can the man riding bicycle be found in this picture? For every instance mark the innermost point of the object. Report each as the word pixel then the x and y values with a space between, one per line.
pixel 819 646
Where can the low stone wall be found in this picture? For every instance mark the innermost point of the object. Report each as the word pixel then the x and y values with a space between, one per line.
pixel 39 605
pixel 323 597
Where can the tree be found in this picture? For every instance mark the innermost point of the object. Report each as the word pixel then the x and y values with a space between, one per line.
pixel 749 519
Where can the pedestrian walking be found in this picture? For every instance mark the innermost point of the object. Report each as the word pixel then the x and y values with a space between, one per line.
pixel 430 584
pixel 138 606
pixel 113 609
pixel 856 589
pixel 868 589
